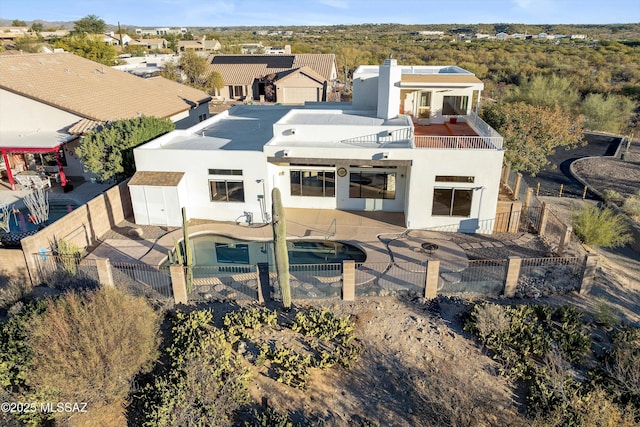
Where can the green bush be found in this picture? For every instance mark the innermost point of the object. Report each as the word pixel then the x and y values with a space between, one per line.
pixel 269 417
pixel 205 383
pixel 631 205
pixel 612 196
pixel 243 322
pixel 601 227
pixel 534 344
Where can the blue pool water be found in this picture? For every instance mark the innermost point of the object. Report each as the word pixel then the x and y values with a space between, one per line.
pixel 19 220
pixel 216 250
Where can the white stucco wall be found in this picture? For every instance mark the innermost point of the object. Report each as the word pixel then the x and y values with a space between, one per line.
pixel 196 165
pixel 483 165
pixel 19 113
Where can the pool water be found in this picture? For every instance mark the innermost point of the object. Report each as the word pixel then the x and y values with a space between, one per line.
pixel 19 220
pixel 215 250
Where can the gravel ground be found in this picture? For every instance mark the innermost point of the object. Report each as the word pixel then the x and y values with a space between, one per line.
pixel 613 173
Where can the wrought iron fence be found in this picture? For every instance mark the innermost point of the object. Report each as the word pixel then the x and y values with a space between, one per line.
pixel 312 281
pixel 480 277
pixel 56 270
pixel 562 273
pixel 385 279
pixel 142 279
pixel 232 282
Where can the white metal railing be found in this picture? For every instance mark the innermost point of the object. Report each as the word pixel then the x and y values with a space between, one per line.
pixel 459 142
pixel 481 127
pixel 379 138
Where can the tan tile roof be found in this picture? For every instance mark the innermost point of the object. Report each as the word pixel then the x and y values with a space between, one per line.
pixel 304 70
pixel 161 179
pixel 84 126
pixel 92 90
pixel 244 73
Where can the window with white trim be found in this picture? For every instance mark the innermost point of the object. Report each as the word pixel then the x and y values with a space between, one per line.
pixel 452 202
pixel 313 183
pixel 229 188
pixel 372 185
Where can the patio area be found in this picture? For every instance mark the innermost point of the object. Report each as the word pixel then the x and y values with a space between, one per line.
pixel 82 192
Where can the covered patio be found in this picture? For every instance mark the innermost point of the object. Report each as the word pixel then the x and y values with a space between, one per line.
pixel 30 159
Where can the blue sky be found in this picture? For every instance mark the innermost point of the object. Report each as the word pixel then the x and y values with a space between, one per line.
pixel 213 13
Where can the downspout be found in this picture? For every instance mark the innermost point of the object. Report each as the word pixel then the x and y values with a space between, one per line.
pixel 12 182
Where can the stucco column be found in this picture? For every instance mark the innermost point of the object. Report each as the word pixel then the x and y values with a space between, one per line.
pixel 431 279
pixel 589 275
pixel 104 272
pixel 513 272
pixel 348 280
pixel 179 284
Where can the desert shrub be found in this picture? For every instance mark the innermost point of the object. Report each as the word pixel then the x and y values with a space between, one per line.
pixel 490 320
pixel 623 366
pixel 268 417
pixel 205 384
pixel 12 289
pixel 631 205
pixel 601 227
pixel 323 324
pixel 15 352
pixel 607 315
pixel 536 345
pixel 69 255
pixel 290 367
pixel 590 409
pixel 612 196
pixel 242 322
pixel 87 348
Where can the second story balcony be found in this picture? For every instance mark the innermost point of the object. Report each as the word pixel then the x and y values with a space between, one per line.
pixel 458 133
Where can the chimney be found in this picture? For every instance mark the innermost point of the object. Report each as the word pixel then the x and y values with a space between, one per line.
pixel 389 89
pixel 287 49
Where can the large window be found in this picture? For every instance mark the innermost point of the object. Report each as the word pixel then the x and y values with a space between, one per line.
pixel 424 105
pixel 313 183
pixel 226 190
pixel 372 185
pixel 454 105
pixel 452 202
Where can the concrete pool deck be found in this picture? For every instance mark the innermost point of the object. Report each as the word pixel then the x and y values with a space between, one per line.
pixel 370 231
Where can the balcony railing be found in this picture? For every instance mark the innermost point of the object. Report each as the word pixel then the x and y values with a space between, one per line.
pixel 459 142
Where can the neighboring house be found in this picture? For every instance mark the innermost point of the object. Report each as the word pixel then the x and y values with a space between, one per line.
pixel 114 39
pixel 149 44
pixel 12 33
pixel 163 31
pixel 200 44
pixel 376 154
pixel 252 77
pixel 48 101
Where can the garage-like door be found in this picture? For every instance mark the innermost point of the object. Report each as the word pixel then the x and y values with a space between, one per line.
pixel 299 95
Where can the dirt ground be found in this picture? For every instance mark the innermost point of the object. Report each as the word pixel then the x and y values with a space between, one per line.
pixel 420 368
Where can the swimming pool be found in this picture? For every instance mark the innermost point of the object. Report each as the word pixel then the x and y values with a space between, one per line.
pixel 19 218
pixel 216 250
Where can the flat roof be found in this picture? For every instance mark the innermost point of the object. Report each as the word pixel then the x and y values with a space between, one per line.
pixel 418 70
pixel 39 141
pixel 242 127
pixel 340 117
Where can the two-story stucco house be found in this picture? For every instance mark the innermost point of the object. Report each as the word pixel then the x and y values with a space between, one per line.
pixel 410 142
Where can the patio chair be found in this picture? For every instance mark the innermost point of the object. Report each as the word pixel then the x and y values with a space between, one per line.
pixel 40 182
pixel 24 181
